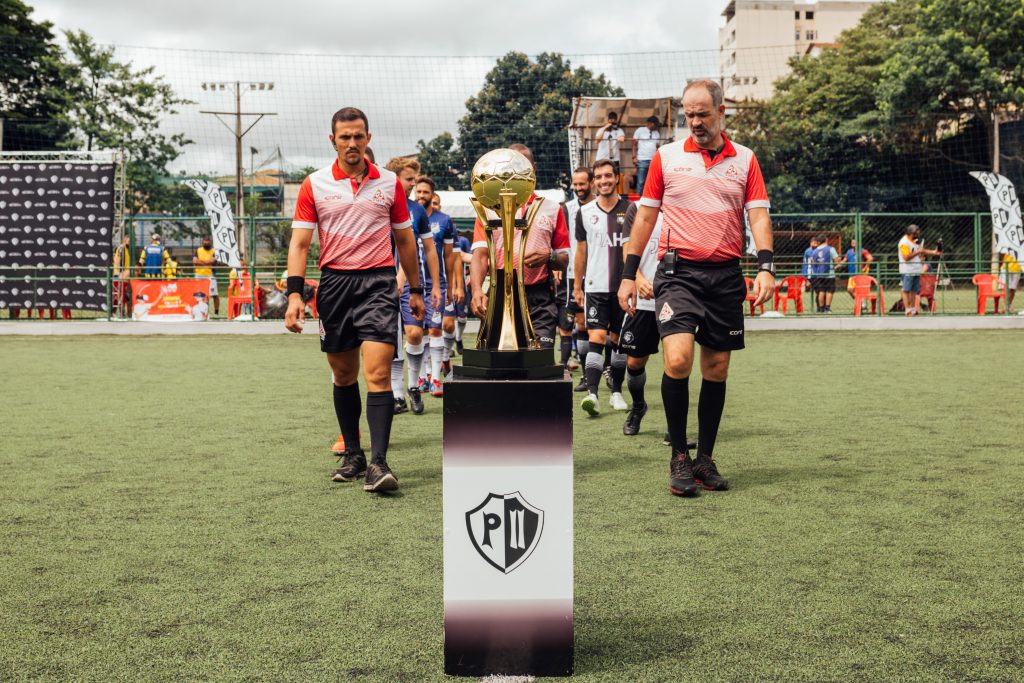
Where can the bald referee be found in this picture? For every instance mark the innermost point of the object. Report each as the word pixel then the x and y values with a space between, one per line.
pixel 356 207
pixel 702 186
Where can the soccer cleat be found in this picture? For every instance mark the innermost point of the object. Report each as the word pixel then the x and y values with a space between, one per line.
pixel 353 466
pixel 446 368
pixel 590 406
pixel 401 406
pixel 423 386
pixel 618 403
pixel 338 448
pixel 417 401
pixel 436 389
pixel 459 348
pixel 680 479
pixel 633 418
pixel 582 386
pixel 705 473
pixel 607 372
pixel 572 364
pixel 379 478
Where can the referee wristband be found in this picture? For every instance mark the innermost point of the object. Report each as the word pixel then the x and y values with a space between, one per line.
pixel 766 260
pixel 416 290
pixel 296 285
pixel 632 265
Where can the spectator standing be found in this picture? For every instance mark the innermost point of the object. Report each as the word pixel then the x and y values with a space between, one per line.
pixel 857 262
pixel 122 266
pixel 609 137
pixel 646 141
pixel 151 258
pixel 807 268
pixel 911 255
pixel 1011 278
pixel 170 267
pixel 204 261
pixel 823 275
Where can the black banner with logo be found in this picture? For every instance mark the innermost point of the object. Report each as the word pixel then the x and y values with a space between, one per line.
pixel 56 234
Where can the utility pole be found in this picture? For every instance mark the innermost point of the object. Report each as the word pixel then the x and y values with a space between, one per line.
pixel 239 134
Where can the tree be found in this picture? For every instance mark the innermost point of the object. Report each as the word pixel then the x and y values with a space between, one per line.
pixel 32 75
pixel 115 107
pixel 439 159
pixel 523 101
pixel 966 62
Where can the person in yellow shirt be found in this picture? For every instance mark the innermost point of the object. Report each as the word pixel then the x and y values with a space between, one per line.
pixel 170 267
pixel 1011 278
pixel 204 261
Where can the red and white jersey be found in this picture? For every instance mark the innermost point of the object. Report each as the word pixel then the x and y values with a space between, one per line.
pixel 703 199
pixel 354 221
pixel 604 233
pixel 548 231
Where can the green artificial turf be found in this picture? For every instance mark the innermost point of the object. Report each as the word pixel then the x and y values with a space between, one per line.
pixel 166 514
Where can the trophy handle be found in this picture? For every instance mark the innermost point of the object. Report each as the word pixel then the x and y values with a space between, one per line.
pixel 481 214
pixel 531 214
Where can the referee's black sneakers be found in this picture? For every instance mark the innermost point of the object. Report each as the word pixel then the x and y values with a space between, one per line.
pixel 680 480
pixel 353 466
pixel 379 478
pixel 705 473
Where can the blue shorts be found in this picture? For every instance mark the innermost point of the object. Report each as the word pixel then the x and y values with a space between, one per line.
pixel 911 283
pixel 407 318
pixel 432 318
pixel 460 310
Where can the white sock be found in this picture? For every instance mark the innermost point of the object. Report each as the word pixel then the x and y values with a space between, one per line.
pixel 397 378
pixel 460 326
pixel 414 354
pixel 436 357
pixel 449 344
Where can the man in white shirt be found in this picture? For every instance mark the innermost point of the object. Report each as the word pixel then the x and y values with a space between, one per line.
pixel 646 141
pixel 912 253
pixel 608 139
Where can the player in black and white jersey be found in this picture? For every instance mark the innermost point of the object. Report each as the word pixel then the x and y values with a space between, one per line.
pixel 570 315
pixel 601 230
pixel 639 336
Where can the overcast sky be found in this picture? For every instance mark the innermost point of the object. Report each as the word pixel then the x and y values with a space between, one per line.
pixel 649 49
pixel 439 27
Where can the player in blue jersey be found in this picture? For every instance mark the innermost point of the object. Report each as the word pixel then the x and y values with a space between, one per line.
pixel 440 322
pixel 407 170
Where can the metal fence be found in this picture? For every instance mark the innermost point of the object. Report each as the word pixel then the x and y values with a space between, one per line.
pixel 966 239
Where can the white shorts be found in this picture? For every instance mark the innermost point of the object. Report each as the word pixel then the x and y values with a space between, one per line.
pixel 1011 280
pixel 213 286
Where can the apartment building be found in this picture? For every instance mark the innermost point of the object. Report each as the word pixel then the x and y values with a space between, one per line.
pixel 759 37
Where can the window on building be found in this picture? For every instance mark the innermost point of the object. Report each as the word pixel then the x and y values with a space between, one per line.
pixel 810 35
pixel 807 15
pixel 797 13
pixel 796 35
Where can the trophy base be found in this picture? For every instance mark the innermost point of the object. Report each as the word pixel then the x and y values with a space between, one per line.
pixel 519 364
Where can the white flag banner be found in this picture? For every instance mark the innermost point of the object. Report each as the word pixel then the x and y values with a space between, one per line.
pixel 225 240
pixel 1007 229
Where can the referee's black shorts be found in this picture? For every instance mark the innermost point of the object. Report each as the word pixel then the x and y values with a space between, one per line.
pixel 702 299
pixel 540 302
pixel 357 306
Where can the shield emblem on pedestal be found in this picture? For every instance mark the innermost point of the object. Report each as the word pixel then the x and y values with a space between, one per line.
pixel 505 529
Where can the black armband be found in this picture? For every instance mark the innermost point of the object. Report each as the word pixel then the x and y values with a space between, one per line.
pixel 632 265
pixel 296 285
pixel 416 290
pixel 766 260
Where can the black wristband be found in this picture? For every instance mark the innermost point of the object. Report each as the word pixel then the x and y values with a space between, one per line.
pixel 765 257
pixel 416 290
pixel 296 285
pixel 632 265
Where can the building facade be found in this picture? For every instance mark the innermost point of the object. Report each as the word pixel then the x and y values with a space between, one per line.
pixel 759 37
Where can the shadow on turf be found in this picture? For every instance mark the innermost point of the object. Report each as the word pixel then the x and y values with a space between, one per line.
pixel 611 643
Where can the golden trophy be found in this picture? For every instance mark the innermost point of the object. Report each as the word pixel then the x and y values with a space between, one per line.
pixel 503 181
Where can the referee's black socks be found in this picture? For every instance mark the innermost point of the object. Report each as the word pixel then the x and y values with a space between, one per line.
pixel 349 408
pixel 709 415
pixel 675 393
pixel 380 412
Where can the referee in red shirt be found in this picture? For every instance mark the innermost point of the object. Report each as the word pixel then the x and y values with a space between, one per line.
pixel 356 207
pixel 702 186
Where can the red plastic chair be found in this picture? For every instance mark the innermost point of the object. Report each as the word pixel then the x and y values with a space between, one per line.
pixel 862 292
pixel 240 294
pixel 312 302
pixel 750 295
pixel 794 286
pixel 989 287
pixel 928 291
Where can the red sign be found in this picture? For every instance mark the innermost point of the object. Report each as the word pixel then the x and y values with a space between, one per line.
pixel 170 300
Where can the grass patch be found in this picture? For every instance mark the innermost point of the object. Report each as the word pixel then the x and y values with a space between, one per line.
pixel 165 513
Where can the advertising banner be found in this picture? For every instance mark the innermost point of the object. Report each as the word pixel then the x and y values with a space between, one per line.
pixel 170 300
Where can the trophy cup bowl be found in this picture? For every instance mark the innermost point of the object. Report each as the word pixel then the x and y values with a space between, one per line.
pixel 502 170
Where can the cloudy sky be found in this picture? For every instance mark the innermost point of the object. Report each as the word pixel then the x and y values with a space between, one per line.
pixel 312 51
